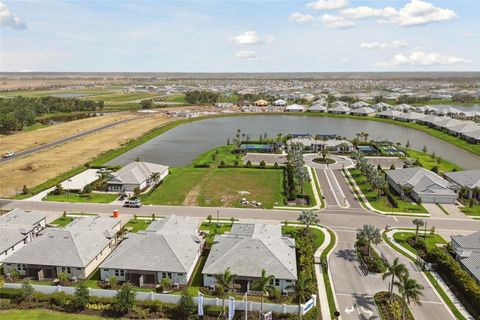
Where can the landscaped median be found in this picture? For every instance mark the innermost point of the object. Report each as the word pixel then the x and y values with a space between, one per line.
pixel 403 241
pixel 374 201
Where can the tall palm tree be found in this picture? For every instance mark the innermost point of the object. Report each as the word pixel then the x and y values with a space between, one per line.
pixel 325 153
pixel 418 223
pixel 301 290
pixel 370 234
pixel 308 217
pixel 394 270
pixel 223 284
pixel 155 176
pixel 264 284
pixel 410 290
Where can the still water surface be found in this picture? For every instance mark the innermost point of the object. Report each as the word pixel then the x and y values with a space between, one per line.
pixel 180 145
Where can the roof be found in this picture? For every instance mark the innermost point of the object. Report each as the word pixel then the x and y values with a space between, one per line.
pixel 295 107
pixel 20 218
pixel 421 180
pixel 251 248
pixel 465 126
pixel 471 242
pixel 469 179
pixel 473 134
pixel 175 225
pixel 137 172
pixel 75 245
pixel 341 108
pixel 472 264
pixel 317 107
pixel 411 116
pixel 10 237
pixel 390 113
pixel 364 110
pixel 360 104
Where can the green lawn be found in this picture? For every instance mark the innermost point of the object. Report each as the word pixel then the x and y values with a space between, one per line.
pixel 63 221
pixel 215 156
pixel 382 203
pixel 293 232
pixel 42 315
pixel 213 229
pixel 428 162
pixel 473 211
pixel 137 224
pixel 74 197
pixel 431 240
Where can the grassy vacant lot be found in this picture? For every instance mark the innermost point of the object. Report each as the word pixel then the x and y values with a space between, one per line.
pixel 71 156
pixel 431 240
pixel 75 197
pixel 428 162
pixel 473 211
pixel 382 203
pixel 41 315
pixel 219 187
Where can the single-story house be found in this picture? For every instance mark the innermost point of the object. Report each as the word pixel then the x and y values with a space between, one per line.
pixel 447 123
pixel 280 103
pixel 402 107
pixel 136 175
pixel 340 110
pixel 381 106
pixel 17 228
pixel 431 120
pixel 247 250
pixel 389 114
pixel 466 126
pixel 423 184
pixel 76 250
pixel 410 116
pixel 472 136
pixel 465 179
pixel 362 111
pixel 168 248
pixel 317 108
pixel 261 103
pixel 295 108
pixel 360 104
pixel 467 251
pixel 314 145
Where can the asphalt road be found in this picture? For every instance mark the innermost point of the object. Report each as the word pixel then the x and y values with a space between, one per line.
pixel 63 140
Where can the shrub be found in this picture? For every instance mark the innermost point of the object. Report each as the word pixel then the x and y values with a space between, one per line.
pixel 262 164
pixel 124 299
pixel 186 307
pixel 82 296
pixel 391 198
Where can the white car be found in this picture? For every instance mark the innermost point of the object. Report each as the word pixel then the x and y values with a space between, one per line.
pixel 103 170
pixel 9 154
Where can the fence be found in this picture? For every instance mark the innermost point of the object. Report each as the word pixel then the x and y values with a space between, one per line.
pixel 165 298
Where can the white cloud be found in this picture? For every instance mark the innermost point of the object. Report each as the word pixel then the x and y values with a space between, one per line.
pixel 469 34
pixel 414 13
pixel 336 22
pixel 7 19
pixel 300 17
pixel 246 38
pixel 327 4
pixel 383 45
pixel 422 58
pixel 246 55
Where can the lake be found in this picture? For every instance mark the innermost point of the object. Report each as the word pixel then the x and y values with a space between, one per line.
pixel 180 145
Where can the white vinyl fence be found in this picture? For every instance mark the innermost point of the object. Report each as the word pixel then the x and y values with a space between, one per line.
pixel 168 298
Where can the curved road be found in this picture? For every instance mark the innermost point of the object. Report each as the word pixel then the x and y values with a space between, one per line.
pixel 64 140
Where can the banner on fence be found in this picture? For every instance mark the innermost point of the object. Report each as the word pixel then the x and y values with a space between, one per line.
pixel 231 308
pixel 200 304
pixel 308 305
pixel 268 316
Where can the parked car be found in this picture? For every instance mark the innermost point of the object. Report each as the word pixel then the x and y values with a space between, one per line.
pixel 132 203
pixel 9 154
pixel 104 170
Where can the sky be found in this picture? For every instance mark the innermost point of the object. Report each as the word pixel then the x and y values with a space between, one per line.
pixel 239 36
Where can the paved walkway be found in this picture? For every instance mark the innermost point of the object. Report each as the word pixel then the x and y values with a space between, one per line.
pixel 340 162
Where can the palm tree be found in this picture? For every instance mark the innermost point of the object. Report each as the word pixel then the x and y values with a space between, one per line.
pixel 325 153
pixel 410 290
pixel 418 223
pixel 308 217
pixel 395 269
pixel 224 283
pixel 301 290
pixel 155 176
pixel 264 284
pixel 369 234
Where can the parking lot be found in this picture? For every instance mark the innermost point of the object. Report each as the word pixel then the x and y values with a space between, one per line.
pixel 386 162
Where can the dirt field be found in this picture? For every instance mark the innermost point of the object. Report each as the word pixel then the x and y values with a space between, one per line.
pixel 26 140
pixel 42 166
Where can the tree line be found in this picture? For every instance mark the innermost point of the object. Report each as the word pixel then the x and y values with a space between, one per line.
pixel 18 112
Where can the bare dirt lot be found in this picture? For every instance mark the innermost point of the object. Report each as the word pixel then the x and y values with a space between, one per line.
pixel 26 140
pixel 45 165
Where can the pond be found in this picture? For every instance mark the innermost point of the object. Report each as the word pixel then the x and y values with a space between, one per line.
pixel 180 145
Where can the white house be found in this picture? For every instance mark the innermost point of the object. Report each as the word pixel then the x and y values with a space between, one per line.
pixel 247 250
pixel 76 250
pixel 169 248
pixel 295 108
pixel 280 103
pixel 17 229
pixel 136 175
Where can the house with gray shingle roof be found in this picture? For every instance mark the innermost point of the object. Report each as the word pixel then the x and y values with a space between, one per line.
pixel 75 250
pixel 17 228
pixel 362 111
pixel 247 250
pixel 423 184
pixel 467 251
pixel 168 248
pixel 136 175
pixel 465 179
pixel 389 114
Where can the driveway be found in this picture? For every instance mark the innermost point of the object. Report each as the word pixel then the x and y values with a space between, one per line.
pixel 340 162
